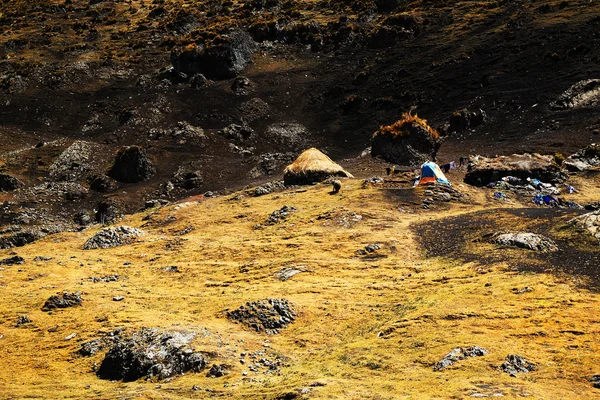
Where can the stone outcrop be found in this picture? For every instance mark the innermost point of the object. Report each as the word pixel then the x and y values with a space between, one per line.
pixel 482 170
pixel 408 141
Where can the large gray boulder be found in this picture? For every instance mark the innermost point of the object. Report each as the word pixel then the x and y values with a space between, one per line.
pixel 150 353
pixel 525 240
pixel 132 165
pixel 267 316
pixel 113 237
pixel 585 159
pixel 221 59
pixel 589 223
pixel 582 94
pixel 482 170
pixel 76 161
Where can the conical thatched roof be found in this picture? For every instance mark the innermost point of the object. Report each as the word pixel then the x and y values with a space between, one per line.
pixel 310 167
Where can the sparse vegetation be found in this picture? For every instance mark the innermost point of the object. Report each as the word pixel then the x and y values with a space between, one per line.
pixel 364 329
pixel 385 279
pixel 405 126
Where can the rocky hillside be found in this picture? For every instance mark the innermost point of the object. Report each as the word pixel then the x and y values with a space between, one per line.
pixel 149 247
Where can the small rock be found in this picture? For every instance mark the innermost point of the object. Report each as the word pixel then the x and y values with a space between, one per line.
pixel 197 81
pixel 71 336
pixel 22 320
pixel 521 291
pixel 75 162
pixel 92 347
pixel 589 223
pixel 463 119
pixel 280 215
pixel 457 354
pixel 102 184
pixel 269 187
pixel 62 301
pixel 118 298
pixel 188 176
pixel 241 85
pixel 155 203
pixel 42 258
pixel 83 218
pixel 515 363
pixel 105 278
pixel 9 183
pixel 287 273
pixel 370 248
pixel 236 132
pixel 220 60
pixel 12 260
pixel 217 371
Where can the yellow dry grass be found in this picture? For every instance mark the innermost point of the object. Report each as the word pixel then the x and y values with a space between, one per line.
pixel 367 328
pixel 402 127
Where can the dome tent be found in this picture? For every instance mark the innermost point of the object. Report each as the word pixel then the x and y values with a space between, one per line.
pixel 431 173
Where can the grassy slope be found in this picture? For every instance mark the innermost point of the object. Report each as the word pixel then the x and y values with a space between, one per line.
pixel 423 307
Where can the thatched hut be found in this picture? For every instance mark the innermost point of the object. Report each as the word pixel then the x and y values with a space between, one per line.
pixel 310 167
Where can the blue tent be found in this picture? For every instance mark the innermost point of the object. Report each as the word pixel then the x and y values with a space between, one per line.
pixel 431 172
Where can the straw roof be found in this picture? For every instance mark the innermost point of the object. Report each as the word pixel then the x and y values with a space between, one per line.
pixel 312 166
